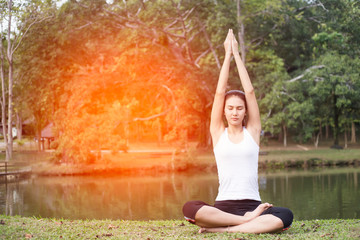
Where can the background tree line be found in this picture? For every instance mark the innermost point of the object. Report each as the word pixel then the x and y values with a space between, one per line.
pixel 108 72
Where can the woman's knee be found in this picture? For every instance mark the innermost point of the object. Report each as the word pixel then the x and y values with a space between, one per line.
pixel 289 217
pixel 191 208
pixel 284 214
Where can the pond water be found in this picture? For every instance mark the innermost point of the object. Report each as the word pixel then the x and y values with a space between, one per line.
pixel 311 194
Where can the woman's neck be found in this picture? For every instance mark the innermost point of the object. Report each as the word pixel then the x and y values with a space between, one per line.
pixel 235 129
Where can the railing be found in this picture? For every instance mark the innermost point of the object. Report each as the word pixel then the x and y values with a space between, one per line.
pixel 4 168
pixel 15 169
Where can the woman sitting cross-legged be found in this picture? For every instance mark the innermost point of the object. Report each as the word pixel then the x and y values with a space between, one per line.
pixel 238 206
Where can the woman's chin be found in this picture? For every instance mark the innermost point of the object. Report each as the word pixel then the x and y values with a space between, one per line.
pixel 235 123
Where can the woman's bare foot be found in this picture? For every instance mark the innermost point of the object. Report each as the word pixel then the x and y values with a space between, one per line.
pixel 258 211
pixel 202 230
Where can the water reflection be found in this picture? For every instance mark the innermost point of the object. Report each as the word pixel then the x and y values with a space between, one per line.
pixel 317 194
pixel 101 197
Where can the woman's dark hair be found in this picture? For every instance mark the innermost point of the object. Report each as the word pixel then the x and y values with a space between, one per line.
pixel 239 94
pixel 236 93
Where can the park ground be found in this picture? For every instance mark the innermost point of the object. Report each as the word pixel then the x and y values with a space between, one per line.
pixel 45 228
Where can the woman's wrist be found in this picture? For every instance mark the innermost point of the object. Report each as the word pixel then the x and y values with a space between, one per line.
pixel 236 54
pixel 228 54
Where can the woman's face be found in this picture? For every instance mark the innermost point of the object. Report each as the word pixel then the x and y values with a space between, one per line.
pixel 234 110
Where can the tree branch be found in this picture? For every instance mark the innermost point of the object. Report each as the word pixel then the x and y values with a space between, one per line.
pixel 182 21
pixel 84 26
pixel 260 39
pixel 19 40
pixel 162 113
pixel 151 117
pixel 311 6
pixel 203 30
pixel 200 56
pixel 285 93
pixel 305 72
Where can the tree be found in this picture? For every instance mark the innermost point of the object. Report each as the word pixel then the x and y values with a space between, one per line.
pixel 336 86
pixel 26 17
pixel 270 75
pixel 340 32
pixel 309 31
pixel 172 49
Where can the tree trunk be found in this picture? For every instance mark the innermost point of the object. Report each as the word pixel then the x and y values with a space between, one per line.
pixel 280 135
pixel 353 132
pixel 241 32
pixel 3 99
pixel 203 136
pixel 11 80
pixel 336 131
pixel 10 111
pixel 327 131
pixel 336 119
pixel 285 135
pixel 38 135
pixel 19 125
pixel 317 140
pixel 345 138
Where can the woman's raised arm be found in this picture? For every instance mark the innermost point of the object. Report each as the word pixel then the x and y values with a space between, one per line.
pixel 216 123
pixel 254 121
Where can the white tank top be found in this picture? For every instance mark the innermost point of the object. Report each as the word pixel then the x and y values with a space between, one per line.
pixel 237 168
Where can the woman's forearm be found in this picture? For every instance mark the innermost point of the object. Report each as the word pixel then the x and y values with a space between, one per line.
pixel 243 74
pixel 224 74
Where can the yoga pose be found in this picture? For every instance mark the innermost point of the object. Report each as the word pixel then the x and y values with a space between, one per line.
pixel 238 206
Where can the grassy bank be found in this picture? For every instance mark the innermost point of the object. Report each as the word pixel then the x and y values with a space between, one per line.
pixel 272 158
pixel 326 155
pixel 154 159
pixel 44 228
pixel 158 163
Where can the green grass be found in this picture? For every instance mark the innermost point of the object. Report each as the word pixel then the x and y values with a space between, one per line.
pixel 290 158
pixel 291 154
pixel 323 154
pixel 45 228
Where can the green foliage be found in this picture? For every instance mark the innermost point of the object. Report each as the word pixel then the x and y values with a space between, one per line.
pixel 326 41
pixel 270 81
pixel 109 73
pixel 20 142
pixel 335 87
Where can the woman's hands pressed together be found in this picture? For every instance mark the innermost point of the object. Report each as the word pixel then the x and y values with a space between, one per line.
pixel 228 42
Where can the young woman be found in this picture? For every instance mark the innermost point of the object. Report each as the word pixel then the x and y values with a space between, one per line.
pixel 238 206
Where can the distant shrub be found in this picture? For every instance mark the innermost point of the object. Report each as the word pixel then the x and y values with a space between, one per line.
pixel 20 142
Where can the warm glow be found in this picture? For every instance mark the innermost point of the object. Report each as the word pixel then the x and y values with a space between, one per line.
pixel 128 95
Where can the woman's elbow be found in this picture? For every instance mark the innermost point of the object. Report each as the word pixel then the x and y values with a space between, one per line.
pixel 249 91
